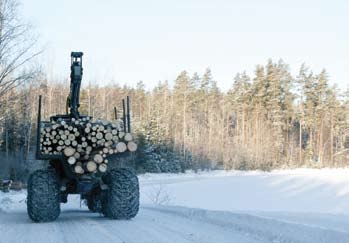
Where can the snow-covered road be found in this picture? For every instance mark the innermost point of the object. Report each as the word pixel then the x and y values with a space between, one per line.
pixel 162 224
pixel 289 206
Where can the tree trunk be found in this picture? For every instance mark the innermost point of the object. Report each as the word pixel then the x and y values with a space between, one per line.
pixel 300 141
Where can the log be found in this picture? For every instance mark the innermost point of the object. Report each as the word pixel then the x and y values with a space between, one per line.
pixel 71 160
pixel 98 158
pixel 121 134
pixel 108 136
pixel 102 168
pixel 69 151
pixel 78 169
pixel 77 155
pixel 128 137
pixel 99 135
pixel 132 146
pixel 121 147
pixel 108 144
pixel 91 166
pixel 71 137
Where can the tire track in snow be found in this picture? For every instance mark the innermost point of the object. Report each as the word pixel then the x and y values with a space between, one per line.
pixel 156 224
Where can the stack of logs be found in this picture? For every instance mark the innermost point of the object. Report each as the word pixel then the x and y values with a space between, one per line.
pixel 85 143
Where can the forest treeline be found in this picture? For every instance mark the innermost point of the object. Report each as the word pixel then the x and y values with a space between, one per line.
pixel 268 120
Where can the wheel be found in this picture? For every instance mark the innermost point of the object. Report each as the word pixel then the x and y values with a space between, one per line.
pixel 43 200
pixel 94 204
pixel 122 199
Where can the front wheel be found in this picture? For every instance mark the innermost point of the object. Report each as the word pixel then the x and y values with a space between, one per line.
pixel 122 199
pixel 43 200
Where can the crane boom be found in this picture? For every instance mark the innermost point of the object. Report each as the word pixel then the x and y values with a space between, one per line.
pixel 73 101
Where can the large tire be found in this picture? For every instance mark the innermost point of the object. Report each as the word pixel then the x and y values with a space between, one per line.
pixel 43 200
pixel 122 199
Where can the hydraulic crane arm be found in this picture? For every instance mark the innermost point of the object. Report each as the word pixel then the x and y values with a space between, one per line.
pixel 73 101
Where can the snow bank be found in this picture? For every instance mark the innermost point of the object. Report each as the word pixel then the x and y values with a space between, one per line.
pixel 300 190
pixel 12 200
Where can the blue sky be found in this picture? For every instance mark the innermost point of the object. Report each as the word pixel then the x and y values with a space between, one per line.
pixel 153 40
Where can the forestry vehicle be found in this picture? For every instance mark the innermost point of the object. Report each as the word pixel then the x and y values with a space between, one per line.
pixel 79 152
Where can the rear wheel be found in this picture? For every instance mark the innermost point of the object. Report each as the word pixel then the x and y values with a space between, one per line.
pixel 122 199
pixel 43 200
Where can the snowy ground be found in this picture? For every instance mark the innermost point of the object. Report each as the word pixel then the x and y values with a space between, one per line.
pixel 281 206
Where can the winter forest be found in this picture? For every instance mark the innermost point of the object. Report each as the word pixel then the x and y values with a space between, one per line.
pixel 267 119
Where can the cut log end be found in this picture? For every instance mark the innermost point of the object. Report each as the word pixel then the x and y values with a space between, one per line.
pixel 121 147
pixel 71 160
pixel 132 146
pixel 78 169
pixel 102 168
pixel 128 137
pixel 91 166
pixel 98 158
pixel 69 151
